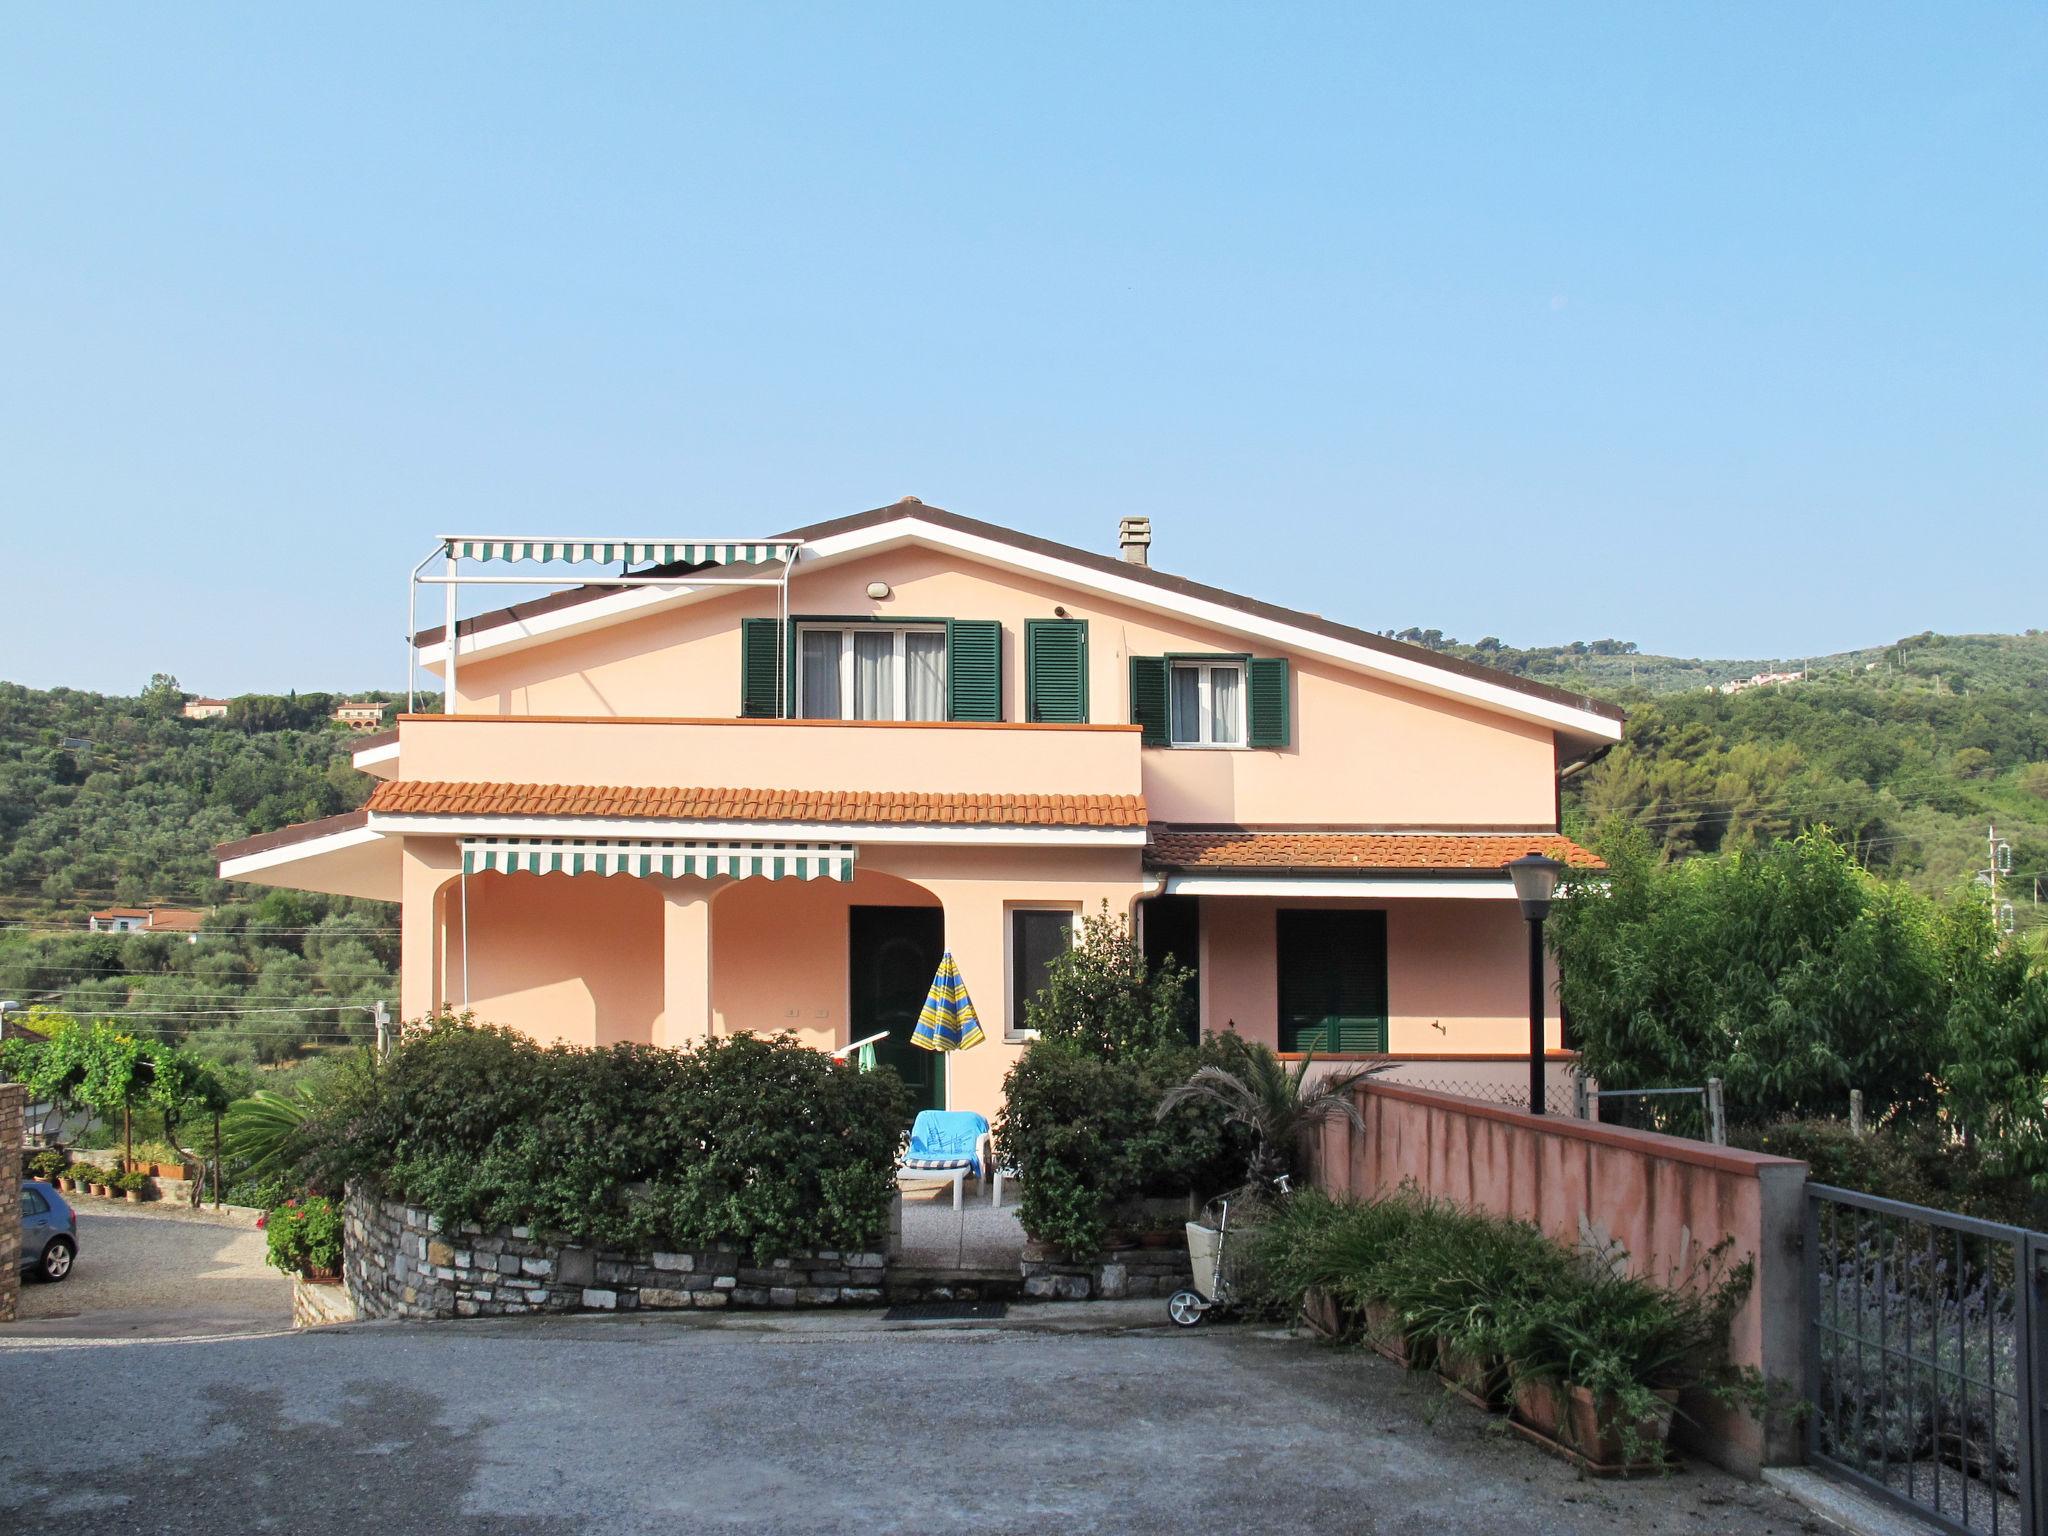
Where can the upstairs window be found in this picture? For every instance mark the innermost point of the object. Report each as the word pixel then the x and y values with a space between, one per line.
pixel 871 672
pixel 1208 703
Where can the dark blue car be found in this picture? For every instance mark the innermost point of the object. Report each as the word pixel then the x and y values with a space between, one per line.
pixel 49 1232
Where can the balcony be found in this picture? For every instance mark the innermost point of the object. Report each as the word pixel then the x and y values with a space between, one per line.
pixel 945 758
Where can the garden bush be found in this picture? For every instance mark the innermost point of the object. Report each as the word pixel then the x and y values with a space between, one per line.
pixel 754 1141
pixel 1080 1121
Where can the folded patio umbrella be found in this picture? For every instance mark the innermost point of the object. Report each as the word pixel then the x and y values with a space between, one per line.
pixel 948 1021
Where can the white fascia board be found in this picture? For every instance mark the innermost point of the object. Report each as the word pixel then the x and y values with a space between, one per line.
pixel 1294 888
pixel 291 853
pixel 643 829
pixel 370 757
pixel 1413 673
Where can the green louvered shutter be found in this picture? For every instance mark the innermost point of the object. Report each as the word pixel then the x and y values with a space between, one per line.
pixel 1333 980
pixel 1056 670
pixel 760 668
pixel 974 669
pixel 1266 682
pixel 1148 698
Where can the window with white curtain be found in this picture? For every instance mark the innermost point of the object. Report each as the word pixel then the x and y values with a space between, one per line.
pixel 1207 703
pixel 871 672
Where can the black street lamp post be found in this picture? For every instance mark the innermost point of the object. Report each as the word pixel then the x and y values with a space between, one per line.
pixel 1535 879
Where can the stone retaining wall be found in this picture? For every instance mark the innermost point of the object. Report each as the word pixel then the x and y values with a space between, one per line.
pixel 321 1306
pixel 1114 1276
pixel 398 1261
pixel 13 1108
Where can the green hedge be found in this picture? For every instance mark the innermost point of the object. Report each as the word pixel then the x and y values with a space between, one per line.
pixel 753 1141
pixel 1919 1161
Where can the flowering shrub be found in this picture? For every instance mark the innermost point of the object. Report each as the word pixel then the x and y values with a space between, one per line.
pixel 304 1236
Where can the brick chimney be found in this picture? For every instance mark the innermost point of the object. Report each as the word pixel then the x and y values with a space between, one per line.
pixel 1134 537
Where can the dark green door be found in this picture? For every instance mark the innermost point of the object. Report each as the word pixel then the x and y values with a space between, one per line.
pixel 1333 980
pixel 892 954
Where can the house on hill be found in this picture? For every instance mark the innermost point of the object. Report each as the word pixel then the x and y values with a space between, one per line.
pixel 205 709
pixel 181 920
pixel 765 785
pixel 359 715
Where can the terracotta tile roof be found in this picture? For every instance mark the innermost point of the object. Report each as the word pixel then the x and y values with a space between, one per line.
pixel 1252 849
pixel 426 798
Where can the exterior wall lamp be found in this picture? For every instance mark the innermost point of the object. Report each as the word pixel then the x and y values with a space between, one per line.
pixel 1535 880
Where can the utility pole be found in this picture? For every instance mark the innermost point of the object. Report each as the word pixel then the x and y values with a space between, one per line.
pixel 2000 864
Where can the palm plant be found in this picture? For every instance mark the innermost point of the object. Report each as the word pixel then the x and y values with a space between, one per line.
pixel 1277 1104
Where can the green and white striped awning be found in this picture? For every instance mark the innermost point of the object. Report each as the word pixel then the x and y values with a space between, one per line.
pixel 632 551
pixel 668 860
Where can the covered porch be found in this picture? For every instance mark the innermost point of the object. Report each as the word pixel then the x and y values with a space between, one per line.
pixel 1400 947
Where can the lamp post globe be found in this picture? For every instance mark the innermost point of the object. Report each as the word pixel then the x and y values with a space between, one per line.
pixel 1535 879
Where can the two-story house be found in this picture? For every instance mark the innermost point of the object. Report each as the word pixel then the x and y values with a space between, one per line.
pixel 659 809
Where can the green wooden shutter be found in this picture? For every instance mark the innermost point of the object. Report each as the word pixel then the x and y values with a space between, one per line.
pixel 760 668
pixel 1056 670
pixel 1148 698
pixel 974 669
pixel 1333 979
pixel 1266 681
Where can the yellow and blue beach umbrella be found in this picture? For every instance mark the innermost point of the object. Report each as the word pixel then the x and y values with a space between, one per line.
pixel 948 1021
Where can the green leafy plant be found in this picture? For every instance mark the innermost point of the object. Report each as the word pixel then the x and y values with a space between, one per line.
pixel 1101 997
pixel 1279 1106
pixel 47 1164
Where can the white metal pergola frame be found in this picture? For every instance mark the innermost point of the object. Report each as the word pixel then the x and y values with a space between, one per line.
pixel 452 578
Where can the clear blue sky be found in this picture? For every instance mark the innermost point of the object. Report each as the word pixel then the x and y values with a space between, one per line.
pixel 1720 328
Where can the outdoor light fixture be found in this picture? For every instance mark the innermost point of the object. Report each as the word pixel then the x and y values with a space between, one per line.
pixel 1535 880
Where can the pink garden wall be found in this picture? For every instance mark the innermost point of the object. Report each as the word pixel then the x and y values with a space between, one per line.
pixel 1662 1198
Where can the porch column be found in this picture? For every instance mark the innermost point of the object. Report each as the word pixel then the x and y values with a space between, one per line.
pixel 425 864
pixel 685 962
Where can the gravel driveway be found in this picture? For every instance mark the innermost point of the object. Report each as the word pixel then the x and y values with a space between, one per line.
pixel 157 1270
pixel 533 1427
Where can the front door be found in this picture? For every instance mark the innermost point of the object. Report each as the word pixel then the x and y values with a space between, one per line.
pixel 893 953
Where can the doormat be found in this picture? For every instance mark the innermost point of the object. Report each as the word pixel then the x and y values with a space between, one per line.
pixel 945 1311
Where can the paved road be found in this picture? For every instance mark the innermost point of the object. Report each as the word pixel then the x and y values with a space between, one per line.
pixel 534 1427
pixel 157 1270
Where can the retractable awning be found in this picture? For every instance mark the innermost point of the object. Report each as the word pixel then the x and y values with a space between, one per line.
pixel 632 551
pixel 666 859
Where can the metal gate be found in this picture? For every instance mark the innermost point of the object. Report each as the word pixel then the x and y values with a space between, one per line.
pixel 1925 1377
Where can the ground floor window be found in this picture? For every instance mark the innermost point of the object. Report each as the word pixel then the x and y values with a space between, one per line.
pixel 1038 936
pixel 1333 979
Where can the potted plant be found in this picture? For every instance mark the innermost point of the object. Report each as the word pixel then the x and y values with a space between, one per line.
pixel 46 1165
pixel 1599 1357
pixel 303 1238
pixel 134 1185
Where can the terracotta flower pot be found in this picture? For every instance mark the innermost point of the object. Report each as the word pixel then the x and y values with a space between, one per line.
pixel 1162 1239
pixel 1387 1333
pixel 1483 1378
pixel 1326 1316
pixel 134 1196
pixel 1578 1422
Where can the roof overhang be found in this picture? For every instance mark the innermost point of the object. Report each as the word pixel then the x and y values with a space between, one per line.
pixel 512 630
pixel 1295 887
pixel 377 755
pixel 403 824
pixel 340 856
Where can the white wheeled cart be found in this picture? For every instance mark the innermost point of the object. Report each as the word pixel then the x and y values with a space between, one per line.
pixel 1212 1287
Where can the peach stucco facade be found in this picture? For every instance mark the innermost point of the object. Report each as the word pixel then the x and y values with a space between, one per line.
pixel 1367 751
pixel 566 714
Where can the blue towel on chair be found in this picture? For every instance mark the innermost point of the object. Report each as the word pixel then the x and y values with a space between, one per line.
pixel 945 1138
